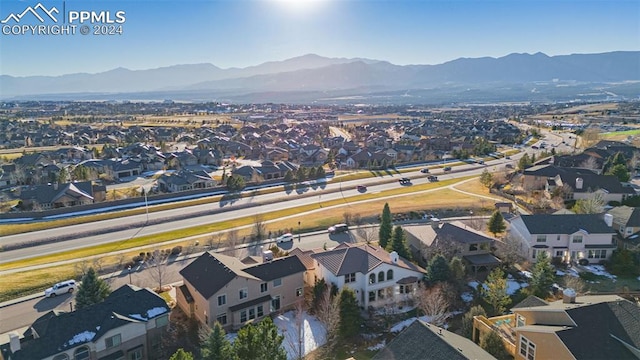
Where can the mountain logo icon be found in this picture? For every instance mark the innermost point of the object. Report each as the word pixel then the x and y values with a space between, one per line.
pixel 35 11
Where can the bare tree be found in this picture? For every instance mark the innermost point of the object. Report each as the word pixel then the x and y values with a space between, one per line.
pixel 259 227
pixel 573 282
pixel 444 246
pixel 157 267
pixel 233 239
pixel 593 204
pixel 347 217
pixel 510 249
pixel 433 303
pixel 590 163
pixel 368 233
pixel 296 340
pixel 328 312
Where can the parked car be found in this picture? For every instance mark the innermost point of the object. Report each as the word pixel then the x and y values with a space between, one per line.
pixel 284 238
pixel 361 188
pixel 404 181
pixel 424 170
pixel 447 168
pixel 338 228
pixel 63 287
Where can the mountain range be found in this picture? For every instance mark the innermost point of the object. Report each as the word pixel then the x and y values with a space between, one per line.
pixel 313 78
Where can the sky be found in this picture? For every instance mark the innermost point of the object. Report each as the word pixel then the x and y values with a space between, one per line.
pixel 240 33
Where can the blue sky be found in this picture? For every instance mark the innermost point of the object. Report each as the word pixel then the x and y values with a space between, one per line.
pixel 240 33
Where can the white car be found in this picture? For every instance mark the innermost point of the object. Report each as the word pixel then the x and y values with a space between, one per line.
pixel 284 238
pixel 61 288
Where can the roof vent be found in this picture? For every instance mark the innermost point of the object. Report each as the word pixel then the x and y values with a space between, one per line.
pixel 568 296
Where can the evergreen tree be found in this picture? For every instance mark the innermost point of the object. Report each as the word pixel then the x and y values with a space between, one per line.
pixel 495 291
pixel 467 320
pixel 399 243
pixel 260 342
pixel 624 263
pixel 301 174
pixel 216 346
pixel 620 171
pixel 312 173
pixel 350 318
pixel 524 162
pixel 288 177
pixel 496 223
pixel 320 173
pixel 457 268
pixel 486 178
pixel 92 290
pixel 438 269
pixel 386 226
pixel 181 355
pixel 492 343
pixel 542 276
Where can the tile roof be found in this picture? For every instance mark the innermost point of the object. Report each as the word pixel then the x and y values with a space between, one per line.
pixel 422 341
pixel 566 224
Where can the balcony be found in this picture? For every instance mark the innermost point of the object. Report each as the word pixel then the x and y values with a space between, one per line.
pixel 502 325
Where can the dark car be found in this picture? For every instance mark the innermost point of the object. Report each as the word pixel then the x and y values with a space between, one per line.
pixel 424 170
pixel 448 168
pixel 432 178
pixel 361 188
pixel 405 181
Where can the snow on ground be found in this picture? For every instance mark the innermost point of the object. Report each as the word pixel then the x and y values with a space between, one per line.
pixel 600 270
pixel 376 347
pixel 526 274
pixel 313 333
pixel 512 285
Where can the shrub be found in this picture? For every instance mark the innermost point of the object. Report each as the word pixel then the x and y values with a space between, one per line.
pixel 176 250
pixel 138 258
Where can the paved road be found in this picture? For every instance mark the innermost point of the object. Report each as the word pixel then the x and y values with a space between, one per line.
pixel 25 313
pixel 328 191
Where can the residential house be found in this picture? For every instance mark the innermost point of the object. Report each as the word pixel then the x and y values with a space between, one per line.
pixel 220 288
pixel 268 170
pixel 377 277
pixel 576 328
pixel 471 245
pixel 56 195
pixel 424 341
pixel 366 158
pixel 184 180
pixel 128 324
pixel 626 221
pixel 570 237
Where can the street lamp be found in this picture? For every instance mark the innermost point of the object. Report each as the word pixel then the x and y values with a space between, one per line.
pixel 298 231
pixel 129 268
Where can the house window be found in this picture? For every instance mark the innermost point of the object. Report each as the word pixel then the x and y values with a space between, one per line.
pixel 252 313
pixel 629 231
pixel 81 353
pixel 381 294
pixel 275 303
pixel 61 357
pixel 389 274
pixel 577 238
pixel 277 282
pixel 162 321
pixel 372 279
pixel 406 289
pixel 520 321
pixel 243 316
pixel 263 287
pixel 527 348
pixel 222 319
pixel 597 254
pixel 473 247
pixel 136 354
pixel 372 296
pixel 112 341
pixel 298 292
pixel 559 253
pixel 243 293
pixel 260 311
pixel 222 300
pixel 541 238
pixel 558 237
pixel 349 278
pixel 381 276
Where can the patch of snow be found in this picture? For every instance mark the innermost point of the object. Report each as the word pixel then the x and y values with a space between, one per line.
pixel 156 311
pixel 560 273
pixel 526 274
pixel 137 317
pixel 405 323
pixel 376 347
pixel 466 297
pixel 638 278
pixel 81 338
pixel 599 270
pixel 314 334
pixel 512 286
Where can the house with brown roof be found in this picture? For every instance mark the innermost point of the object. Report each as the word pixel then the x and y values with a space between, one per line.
pixel 377 277
pixel 583 327
pixel 220 288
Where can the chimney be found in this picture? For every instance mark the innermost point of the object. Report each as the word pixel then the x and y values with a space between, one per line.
pixel 579 183
pixel 568 296
pixel 55 186
pixel 608 219
pixel 394 257
pixel 14 342
pixel 267 256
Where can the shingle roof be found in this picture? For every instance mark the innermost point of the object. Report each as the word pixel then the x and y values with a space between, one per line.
pixel 629 216
pixel 459 232
pixel 277 268
pixel 347 259
pixel 530 301
pixel 566 224
pixel 421 341
pixel 58 331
